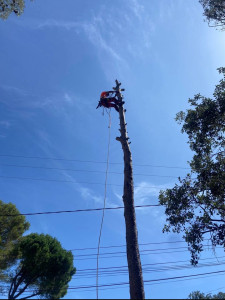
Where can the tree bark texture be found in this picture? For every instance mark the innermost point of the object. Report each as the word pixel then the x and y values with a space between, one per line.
pixel 133 255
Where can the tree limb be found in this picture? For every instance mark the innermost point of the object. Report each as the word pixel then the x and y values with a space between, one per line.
pixel 33 295
pixel 24 288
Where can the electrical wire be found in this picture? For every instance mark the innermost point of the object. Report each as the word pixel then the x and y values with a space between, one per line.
pixel 151 281
pixel 118 268
pixel 144 250
pixel 80 182
pixel 85 171
pixel 90 161
pixel 124 272
pixel 77 210
pixel 124 252
pixel 89 289
pixel 77 182
pixel 155 283
pixel 147 282
pixel 120 246
pixel 142 254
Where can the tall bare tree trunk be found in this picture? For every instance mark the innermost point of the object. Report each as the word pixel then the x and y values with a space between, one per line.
pixel 133 255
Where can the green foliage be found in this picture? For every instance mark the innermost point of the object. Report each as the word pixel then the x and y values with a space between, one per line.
pixel 214 10
pixel 198 295
pixel 9 6
pixel 44 265
pixel 11 230
pixel 196 206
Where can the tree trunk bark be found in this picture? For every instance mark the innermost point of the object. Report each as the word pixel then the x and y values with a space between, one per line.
pixel 133 256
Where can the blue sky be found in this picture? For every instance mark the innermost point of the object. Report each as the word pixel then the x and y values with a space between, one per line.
pixel 55 61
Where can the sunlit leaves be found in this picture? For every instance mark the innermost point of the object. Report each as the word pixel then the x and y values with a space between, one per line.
pixel 11 6
pixel 11 230
pixel 196 205
pixel 214 10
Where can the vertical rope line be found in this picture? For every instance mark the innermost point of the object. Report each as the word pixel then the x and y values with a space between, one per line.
pixel 103 213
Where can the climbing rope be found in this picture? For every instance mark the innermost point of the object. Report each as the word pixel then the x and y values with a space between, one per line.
pixel 103 212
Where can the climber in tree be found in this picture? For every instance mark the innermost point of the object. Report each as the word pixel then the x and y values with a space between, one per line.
pixel 108 99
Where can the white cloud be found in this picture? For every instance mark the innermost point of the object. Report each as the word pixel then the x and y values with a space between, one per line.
pixel 146 191
pixel 122 33
pixel 88 194
pixel 96 38
pixel 91 29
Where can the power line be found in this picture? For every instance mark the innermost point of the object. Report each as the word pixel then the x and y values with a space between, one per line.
pixel 117 268
pixel 147 281
pixel 77 210
pixel 152 280
pixel 120 246
pixel 142 254
pixel 148 270
pixel 89 161
pixel 73 181
pixel 85 171
pixel 124 252
pixel 215 290
pixel 150 284
pixel 144 250
pixel 90 289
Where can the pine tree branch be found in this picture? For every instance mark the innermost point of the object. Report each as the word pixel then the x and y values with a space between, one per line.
pixel 33 295
pixel 25 287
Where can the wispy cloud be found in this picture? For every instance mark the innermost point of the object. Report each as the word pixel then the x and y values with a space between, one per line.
pixel 125 32
pixel 137 8
pixel 58 24
pixel 88 194
pixel 16 98
pixel 146 191
pixel 5 124
pixel 89 28
pixel 68 98
pixel 14 89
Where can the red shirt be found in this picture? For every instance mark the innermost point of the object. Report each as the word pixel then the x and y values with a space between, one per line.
pixel 107 94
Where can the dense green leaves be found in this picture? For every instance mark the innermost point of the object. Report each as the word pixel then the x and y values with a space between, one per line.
pixel 44 265
pixel 11 230
pixel 198 295
pixel 214 10
pixel 196 206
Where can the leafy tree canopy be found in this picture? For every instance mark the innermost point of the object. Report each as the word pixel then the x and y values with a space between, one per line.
pixel 196 206
pixel 44 268
pixel 214 10
pixel 198 295
pixel 9 6
pixel 11 230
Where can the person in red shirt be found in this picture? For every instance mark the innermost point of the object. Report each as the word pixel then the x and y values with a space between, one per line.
pixel 108 99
